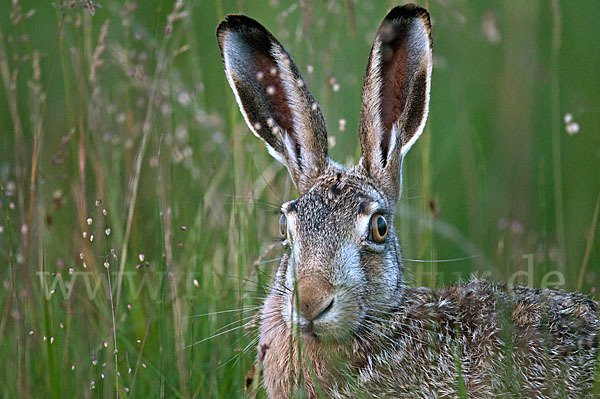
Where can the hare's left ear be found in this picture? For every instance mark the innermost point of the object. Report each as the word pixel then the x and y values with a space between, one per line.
pixel 274 99
pixel 395 94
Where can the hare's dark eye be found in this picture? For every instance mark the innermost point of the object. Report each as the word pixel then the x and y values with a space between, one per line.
pixel 379 228
pixel 283 226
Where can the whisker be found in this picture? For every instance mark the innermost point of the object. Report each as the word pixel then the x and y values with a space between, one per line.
pixel 264 262
pixel 246 321
pixel 234 322
pixel 224 311
pixel 241 200
pixel 274 326
pixel 238 356
pixel 439 260
pixel 211 337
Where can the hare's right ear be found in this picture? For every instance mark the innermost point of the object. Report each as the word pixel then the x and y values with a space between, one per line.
pixel 395 94
pixel 274 99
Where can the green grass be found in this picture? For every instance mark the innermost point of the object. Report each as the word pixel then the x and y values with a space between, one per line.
pixel 126 118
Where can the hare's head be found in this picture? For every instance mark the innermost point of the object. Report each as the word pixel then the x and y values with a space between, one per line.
pixel 342 263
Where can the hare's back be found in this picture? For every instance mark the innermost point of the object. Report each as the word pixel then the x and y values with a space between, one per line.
pixel 487 338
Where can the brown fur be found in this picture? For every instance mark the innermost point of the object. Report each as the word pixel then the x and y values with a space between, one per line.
pixel 339 318
pixel 521 341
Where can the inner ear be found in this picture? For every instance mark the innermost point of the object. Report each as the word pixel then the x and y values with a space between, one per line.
pixel 261 82
pixel 394 59
pixel 416 109
pixel 269 80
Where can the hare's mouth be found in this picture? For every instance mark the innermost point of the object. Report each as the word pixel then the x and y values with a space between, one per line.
pixel 309 329
pixel 332 321
pixel 317 326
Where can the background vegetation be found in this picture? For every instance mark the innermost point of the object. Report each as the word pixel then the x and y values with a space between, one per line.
pixel 138 222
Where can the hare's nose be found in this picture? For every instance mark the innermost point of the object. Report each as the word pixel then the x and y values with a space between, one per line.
pixel 315 296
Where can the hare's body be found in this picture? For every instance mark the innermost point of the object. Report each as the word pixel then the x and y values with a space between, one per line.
pixel 507 343
pixel 339 318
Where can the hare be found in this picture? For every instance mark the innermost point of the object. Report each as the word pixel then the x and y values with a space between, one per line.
pixel 339 320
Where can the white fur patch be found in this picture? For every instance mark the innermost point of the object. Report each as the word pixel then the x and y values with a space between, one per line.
pixel 420 39
pixel 373 102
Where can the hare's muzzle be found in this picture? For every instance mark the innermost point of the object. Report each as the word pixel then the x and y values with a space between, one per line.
pixel 315 297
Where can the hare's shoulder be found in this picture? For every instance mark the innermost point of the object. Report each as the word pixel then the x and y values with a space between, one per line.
pixel 541 332
pixel 482 301
pixel 497 338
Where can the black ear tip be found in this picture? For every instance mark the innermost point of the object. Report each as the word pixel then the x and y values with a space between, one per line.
pixel 409 11
pixel 406 14
pixel 230 22
pixel 238 22
pixel 250 31
pixel 221 28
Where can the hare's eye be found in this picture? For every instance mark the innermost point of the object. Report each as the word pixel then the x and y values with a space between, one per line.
pixel 379 228
pixel 283 226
